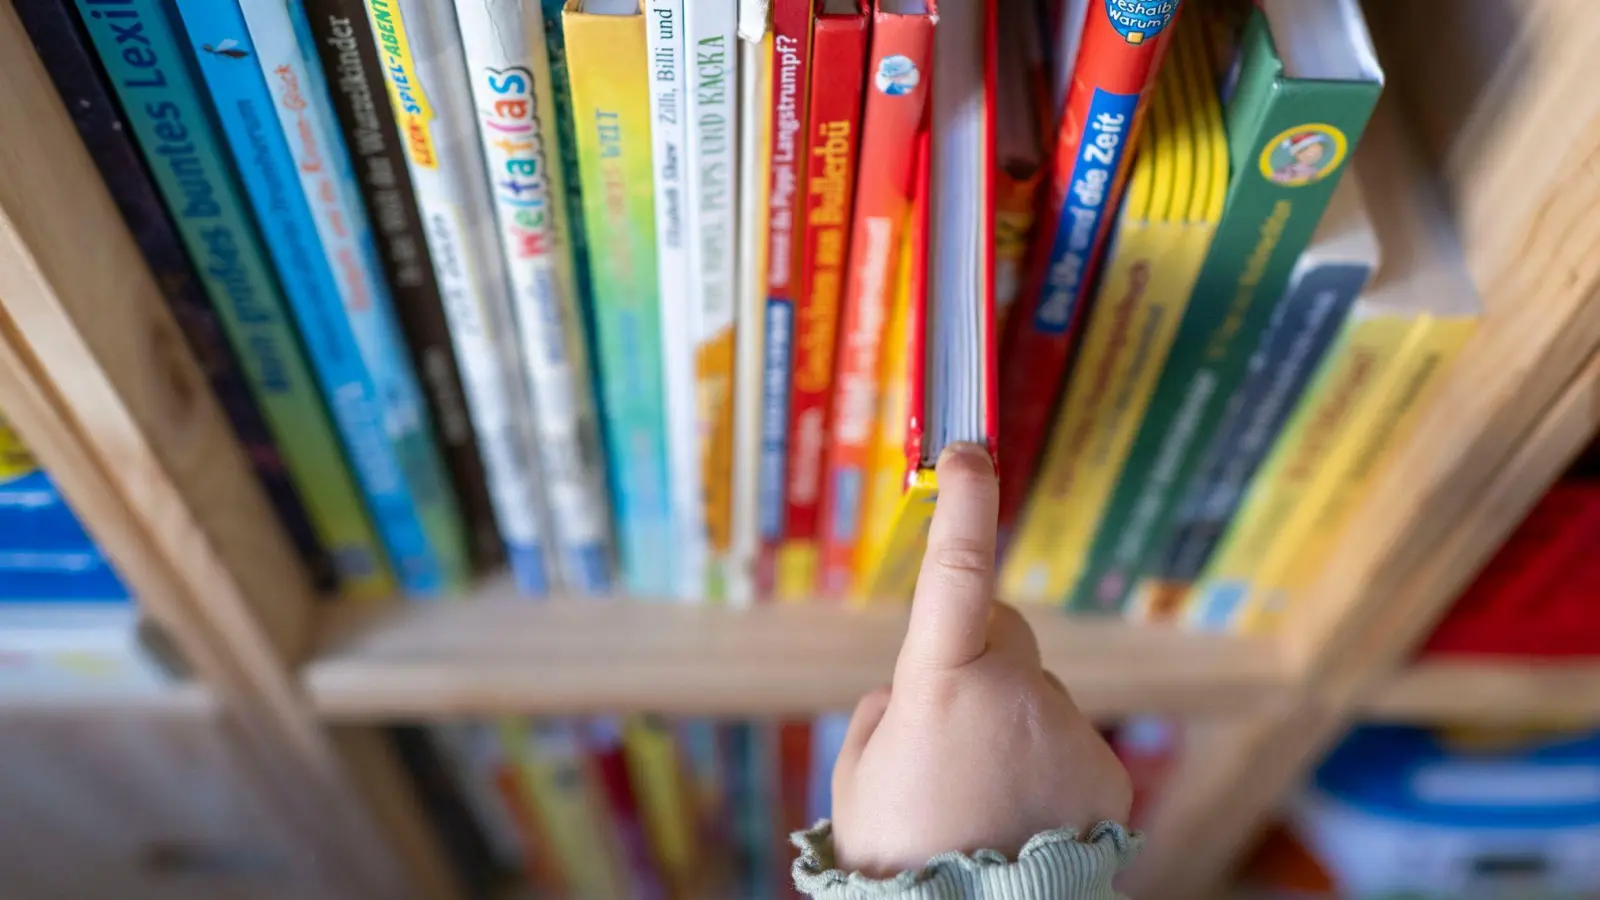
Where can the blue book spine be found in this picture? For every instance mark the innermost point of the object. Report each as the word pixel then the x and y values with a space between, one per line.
pixel 150 74
pixel 1304 325
pixel 228 63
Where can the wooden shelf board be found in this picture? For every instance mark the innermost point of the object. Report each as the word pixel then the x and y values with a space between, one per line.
pixel 1491 691
pixel 495 653
pixel 181 699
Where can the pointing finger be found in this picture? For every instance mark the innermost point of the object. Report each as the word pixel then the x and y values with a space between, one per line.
pixel 950 614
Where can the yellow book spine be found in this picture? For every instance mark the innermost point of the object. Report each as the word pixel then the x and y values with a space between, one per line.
pixel 886 475
pixel 551 758
pixel 1346 383
pixel 895 575
pixel 1436 345
pixel 797 570
pixel 657 780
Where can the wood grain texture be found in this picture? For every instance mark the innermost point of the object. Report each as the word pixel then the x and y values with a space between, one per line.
pixel 1491 691
pixel 97 380
pixel 120 803
pixel 495 653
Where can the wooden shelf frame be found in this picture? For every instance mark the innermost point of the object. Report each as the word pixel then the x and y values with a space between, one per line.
pixel 494 653
pixel 96 376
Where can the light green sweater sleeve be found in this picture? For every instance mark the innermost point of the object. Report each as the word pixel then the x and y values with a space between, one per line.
pixel 1053 865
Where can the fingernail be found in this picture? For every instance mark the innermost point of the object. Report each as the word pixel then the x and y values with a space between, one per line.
pixel 965 450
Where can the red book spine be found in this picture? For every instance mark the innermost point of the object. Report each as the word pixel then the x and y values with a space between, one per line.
pixel 838 63
pixel 893 113
pixel 1115 70
pixel 917 310
pixel 791 51
pixel 794 792
pixel 991 105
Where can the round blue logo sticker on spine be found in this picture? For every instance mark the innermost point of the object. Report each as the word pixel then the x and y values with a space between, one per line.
pixel 1140 20
pixel 896 76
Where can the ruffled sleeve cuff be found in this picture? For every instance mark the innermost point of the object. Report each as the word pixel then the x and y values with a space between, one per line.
pixel 1053 865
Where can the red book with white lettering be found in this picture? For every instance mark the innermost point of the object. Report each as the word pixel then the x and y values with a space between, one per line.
pixel 894 111
pixel 833 127
pixel 791 55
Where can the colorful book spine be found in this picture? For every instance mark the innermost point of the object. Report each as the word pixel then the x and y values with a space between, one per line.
pixel 1169 215
pixel 566 131
pixel 713 129
pixel 833 132
pixel 607 59
pixel 101 125
pixel 892 114
pixel 550 754
pixel 350 62
pixel 508 67
pixel 611 754
pixel 791 56
pixel 172 125
pixel 1303 549
pixel 420 51
pixel 1322 291
pixel 656 773
pixel 1345 386
pixel 749 389
pixel 327 287
pixel 1274 204
pixel 666 38
pixel 1119 54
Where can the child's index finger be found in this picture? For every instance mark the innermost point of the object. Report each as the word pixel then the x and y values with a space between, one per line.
pixel 950 612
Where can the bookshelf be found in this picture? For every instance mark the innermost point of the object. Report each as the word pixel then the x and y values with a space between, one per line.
pixel 95 376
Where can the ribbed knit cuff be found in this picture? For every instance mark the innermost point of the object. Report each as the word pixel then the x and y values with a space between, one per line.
pixel 1053 865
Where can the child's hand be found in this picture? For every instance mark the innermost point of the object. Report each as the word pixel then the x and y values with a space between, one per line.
pixel 974 746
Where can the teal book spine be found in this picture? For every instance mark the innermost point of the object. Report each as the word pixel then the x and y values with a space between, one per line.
pixel 149 71
pixel 367 419
pixel 1288 142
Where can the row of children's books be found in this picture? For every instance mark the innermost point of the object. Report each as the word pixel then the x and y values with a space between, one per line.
pixel 685 297
pixel 600 806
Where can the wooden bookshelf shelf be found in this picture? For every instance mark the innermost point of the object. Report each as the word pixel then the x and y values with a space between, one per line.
pixel 1491 691
pixel 180 700
pixel 495 653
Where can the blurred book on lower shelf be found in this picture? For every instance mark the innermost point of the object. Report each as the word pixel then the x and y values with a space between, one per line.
pixel 1535 598
pixel 68 624
pixel 1457 813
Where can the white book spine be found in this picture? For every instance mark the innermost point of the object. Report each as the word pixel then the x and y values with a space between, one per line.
pixel 420 49
pixel 710 48
pixel 508 69
pixel 664 37
pixel 749 340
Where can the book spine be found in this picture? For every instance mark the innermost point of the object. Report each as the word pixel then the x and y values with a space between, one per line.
pixel 713 128
pixel 656 774
pixel 1307 320
pixel 892 114
pixel 1267 225
pixel 555 44
pixel 1423 363
pixel 666 39
pixel 607 60
pixel 350 61
pixel 550 754
pixel 793 793
pixel 226 57
pixel 171 124
pixel 611 753
pixel 791 55
pixel 420 53
pixel 833 132
pixel 510 77
pixel 1344 386
pixel 1114 71
pixel 446 794
pixel 755 129
pixel 295 81
pixel 72 68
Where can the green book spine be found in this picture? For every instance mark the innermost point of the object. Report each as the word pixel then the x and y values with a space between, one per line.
pixel 1288 143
